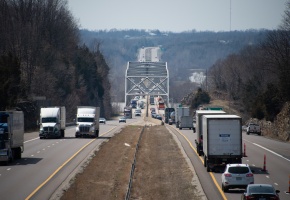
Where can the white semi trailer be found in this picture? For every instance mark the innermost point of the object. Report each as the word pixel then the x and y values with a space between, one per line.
pixel 222 140
pixel 198 127
pixel 179 113
pixel 87 121
pixel 52 122
pixel 11 135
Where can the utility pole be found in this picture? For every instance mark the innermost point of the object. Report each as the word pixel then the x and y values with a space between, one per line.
pixel 230 15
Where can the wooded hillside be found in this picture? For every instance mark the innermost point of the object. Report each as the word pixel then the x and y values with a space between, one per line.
pixel 41 59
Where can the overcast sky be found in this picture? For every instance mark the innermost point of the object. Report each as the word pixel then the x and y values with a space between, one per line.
pixel 178 15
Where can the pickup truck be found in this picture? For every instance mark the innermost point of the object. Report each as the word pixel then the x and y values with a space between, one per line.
pixel 253 128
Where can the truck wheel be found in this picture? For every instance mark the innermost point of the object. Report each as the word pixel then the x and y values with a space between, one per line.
pixel 17 153
pixel 225 189
pixel 199 152
pixel 248 133
pixel 207 168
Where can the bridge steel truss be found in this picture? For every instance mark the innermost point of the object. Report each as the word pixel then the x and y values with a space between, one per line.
pixel 146 78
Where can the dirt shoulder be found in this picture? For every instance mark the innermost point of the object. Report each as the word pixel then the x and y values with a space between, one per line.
pixel 161 170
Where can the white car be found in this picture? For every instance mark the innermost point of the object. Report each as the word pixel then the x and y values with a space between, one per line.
pixel 122 119
pixel 138 112
pixel 237 176
pixel 102 120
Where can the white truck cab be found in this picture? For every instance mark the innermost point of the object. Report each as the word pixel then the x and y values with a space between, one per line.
pixel 87 121
pixel 52 122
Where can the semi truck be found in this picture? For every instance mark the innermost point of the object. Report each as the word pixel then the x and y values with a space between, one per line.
pixel 87 122
pixel 160 103
pixel 185 122
pixel 167 113
pixel 128 112
pixel 222 140
pixel 198 127
pixel 11 135
pixel 179 113
pixel 133 103
pixel 52 122
pixel 152 100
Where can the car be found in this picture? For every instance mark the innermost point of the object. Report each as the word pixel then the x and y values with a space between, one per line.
pixel 237 176
pixel 138 112
pixel 122 119
pixel 158 117
pixel 102 120
pixel 244 127
pixel 152 110
pixel 153 115
pixel 254 128
pixel 260 191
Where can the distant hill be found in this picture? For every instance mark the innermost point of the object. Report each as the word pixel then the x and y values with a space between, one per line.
pixel 182 51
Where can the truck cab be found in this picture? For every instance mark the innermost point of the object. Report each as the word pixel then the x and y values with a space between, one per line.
pixel 52 122
pixel 87 121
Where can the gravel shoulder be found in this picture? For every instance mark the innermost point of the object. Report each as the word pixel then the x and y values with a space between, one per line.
pixel 162 170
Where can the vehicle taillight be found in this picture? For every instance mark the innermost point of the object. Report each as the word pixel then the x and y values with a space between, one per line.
pixel 274 198
pixel 249 197
pixel 250 175
pixel 228 175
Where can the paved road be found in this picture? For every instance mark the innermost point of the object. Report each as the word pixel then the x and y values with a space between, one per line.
pixel 277 161
pixel 46 163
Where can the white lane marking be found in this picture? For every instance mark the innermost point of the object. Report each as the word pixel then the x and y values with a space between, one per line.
pixel 38 152
pixel 8 169
pixel 31 140
pixel 32 155
pixel 272 152
pixel 267 177
pixel 276 183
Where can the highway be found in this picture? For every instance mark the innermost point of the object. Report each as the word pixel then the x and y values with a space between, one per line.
pixel 277 164
pixel 270 160
pixel 47 163
pixel 149 54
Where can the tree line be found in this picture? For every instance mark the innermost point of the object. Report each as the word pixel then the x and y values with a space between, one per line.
pixel 258 76
pixel 41 56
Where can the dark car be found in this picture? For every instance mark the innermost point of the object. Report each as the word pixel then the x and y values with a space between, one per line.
pixel 261 191
pixel 158 117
